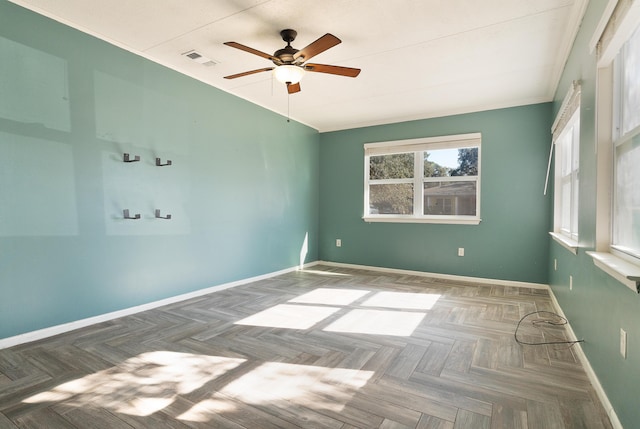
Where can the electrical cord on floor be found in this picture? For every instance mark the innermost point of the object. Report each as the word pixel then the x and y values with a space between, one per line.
pixel 560 322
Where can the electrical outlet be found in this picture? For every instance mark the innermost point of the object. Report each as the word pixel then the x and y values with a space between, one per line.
pixel 460 251
pixel 570 282
pixel 623 343
pixel 555 265
pixel 338 242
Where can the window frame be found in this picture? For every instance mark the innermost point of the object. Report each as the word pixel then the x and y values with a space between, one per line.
pixel 417 147
pixel 617 26
pixel 621 139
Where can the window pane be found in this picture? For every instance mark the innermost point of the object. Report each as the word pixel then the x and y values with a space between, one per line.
pixel 565 153
pixel 451 162
pixel 567 178
pixel 631 91
pixel 565 204
pixel 576 145
pixel 574 208
pixel 396 166
pixel 391 199
pixel 627 197
pixel 438 163
pixel 450 198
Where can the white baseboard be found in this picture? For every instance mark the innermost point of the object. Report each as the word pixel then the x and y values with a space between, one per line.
pixel 439 276
pixel 602 395
pixel 67 327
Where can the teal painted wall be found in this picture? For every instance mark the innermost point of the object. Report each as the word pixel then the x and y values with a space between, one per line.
pixel 511 242
pixel 597 306
pixel 242 189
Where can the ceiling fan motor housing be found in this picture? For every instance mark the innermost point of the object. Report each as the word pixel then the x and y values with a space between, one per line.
pixel 286 54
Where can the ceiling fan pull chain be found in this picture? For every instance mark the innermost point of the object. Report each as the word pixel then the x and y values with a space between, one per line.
pixel 288 103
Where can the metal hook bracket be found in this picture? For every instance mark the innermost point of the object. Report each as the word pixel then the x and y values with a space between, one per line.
pixel 160 164
pixel 127 216
pixel 127 159
pixel 162 217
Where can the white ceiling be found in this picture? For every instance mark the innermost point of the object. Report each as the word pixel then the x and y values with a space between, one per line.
pixel 419 58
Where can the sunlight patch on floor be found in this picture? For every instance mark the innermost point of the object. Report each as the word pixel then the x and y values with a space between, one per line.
pixel 202 411
pixel 140 385
pixel 377 322
pixel 311 386
pixel 403 300
pixel 144 406
pixel 289 316
pixel 152 382
pixel 399 318
pixel 328 296
pixel 285 386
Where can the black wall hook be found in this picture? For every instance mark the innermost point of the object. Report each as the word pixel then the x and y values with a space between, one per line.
pixel 126 215
pixel 162 217
pixel 127 159
pixel 160 164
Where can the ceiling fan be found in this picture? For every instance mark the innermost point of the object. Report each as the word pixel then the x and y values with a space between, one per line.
pixel 290 63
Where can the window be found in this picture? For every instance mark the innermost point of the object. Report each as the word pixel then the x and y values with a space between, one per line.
pixel 626 144
pixel 617 41
pixel 433 179
pixel 568 176
pixel 566 140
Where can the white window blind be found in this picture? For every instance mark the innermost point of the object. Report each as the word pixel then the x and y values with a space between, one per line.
pixel 430 143
pixel 617 30
pixel 568 108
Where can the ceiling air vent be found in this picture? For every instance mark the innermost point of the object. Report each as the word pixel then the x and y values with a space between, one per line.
pixel 199 58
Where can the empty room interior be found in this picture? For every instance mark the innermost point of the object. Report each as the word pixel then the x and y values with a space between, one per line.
pixel 303 214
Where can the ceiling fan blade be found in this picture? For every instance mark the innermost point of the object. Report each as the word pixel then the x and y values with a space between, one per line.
pixel 324 68
pixel 253 51
pixel 322 44
pixel 233 76
pixel 292 88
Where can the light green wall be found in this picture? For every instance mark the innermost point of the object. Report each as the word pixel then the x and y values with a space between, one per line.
pixel 511 242
pixel 597 306
pixel 242 189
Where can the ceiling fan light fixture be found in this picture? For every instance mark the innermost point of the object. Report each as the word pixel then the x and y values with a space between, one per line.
pixel 288 73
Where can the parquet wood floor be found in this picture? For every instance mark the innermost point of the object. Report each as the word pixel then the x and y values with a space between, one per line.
pixel 322 348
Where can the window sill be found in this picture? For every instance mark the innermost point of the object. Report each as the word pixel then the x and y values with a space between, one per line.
pixel 410 219
pixel 625 272
pixel 567 243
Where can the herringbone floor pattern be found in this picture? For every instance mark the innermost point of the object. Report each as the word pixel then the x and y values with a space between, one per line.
pixel 322 348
